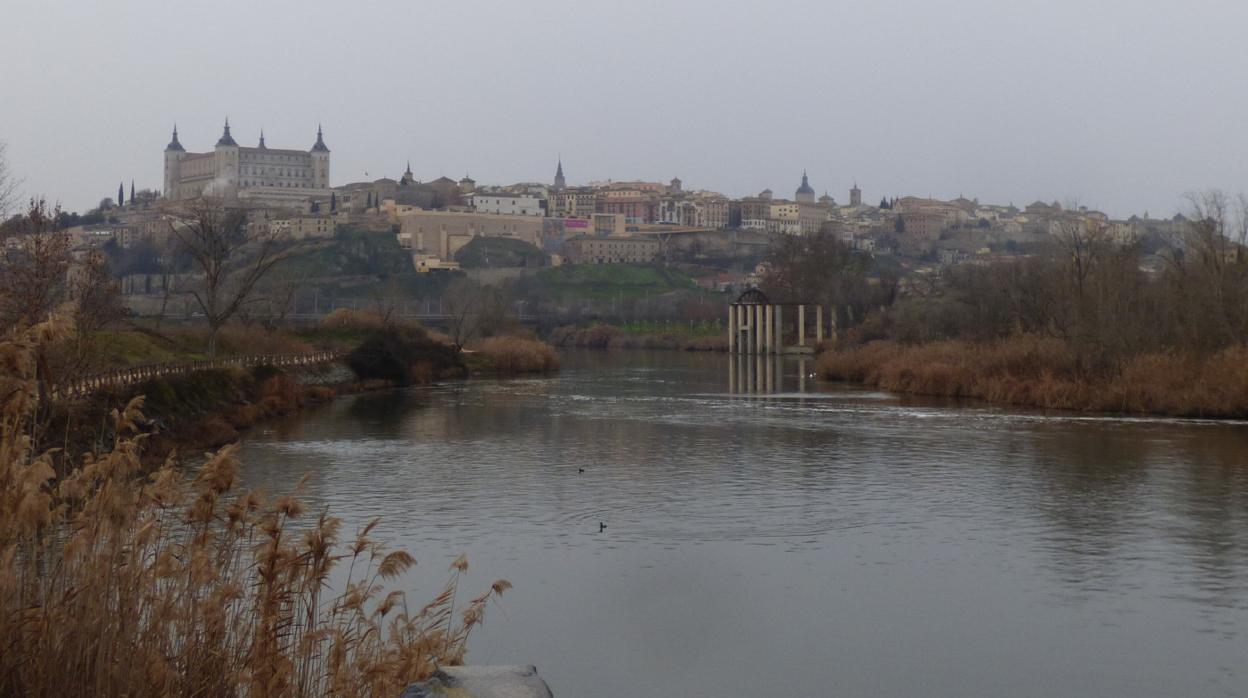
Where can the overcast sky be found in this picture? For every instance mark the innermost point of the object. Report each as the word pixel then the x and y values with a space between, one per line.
pixel 1123 105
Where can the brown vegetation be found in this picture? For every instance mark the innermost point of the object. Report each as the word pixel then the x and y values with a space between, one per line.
pixel 1102 320
pixel 512 355
pixel 1033 371
pixel 115 583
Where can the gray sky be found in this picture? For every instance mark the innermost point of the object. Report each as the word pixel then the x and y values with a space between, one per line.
pixel 1123 105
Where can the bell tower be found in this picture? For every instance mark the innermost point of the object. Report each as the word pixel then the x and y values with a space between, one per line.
pixel 173 165
pixel 320 161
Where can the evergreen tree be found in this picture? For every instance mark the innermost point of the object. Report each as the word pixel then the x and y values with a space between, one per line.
pixel 333 201
pixel 899 225
pixel 884 202
pixel 132 193
pixel 121 194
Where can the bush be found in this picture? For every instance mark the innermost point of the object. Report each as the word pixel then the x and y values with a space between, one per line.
pixel 403 356
pixel 511 355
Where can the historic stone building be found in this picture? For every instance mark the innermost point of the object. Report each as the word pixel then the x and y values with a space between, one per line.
pixel 260 175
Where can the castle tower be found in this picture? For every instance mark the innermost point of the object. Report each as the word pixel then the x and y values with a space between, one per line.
pixel 320 162
pixel 805 193
pixel 560 182
pixel 227 165
pixel 173 167
pixel 855 196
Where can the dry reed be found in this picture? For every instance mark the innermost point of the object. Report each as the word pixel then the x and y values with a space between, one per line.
pixel 1042 372
pixel 512 355
pixel 118 582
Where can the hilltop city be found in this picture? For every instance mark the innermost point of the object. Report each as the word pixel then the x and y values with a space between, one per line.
pixel 288 192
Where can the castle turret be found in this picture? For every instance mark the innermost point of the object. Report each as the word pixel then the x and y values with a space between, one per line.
pixel 226 181
pixel 320 161
pixel 173 167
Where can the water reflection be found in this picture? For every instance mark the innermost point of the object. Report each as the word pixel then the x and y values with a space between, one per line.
pixel 841 537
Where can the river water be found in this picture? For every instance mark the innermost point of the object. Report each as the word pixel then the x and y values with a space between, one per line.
pixel 770 536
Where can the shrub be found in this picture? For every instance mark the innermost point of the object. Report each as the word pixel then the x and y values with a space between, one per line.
pixel 511 355
pixel 403 356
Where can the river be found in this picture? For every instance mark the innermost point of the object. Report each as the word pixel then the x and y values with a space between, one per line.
pixel 814 540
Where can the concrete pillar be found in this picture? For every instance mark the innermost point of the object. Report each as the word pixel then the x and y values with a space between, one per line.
pixel 779 329
pixel 757 324
pixel 732 329
pixel 732 374
pixel 801 325
pixel 765 326
pixel 818 323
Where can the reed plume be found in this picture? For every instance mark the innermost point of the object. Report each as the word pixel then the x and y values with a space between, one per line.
pixel 117 581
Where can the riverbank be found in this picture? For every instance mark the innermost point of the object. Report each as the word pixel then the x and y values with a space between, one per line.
pixel 205 588
pixel 1030 371
pixel 704 337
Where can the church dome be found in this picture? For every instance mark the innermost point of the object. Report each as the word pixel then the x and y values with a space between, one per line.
pixel 805 188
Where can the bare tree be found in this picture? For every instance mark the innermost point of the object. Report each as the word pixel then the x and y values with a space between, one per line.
pixel 215 238
pixel 9 183
pixel 463 302
pixel 33 269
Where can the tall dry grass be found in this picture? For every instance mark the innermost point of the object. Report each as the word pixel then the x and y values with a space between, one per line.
pixel 115 582
pixel 512 355
pixel 1033 371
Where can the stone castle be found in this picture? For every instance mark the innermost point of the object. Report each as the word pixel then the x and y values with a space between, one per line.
pixel 259 175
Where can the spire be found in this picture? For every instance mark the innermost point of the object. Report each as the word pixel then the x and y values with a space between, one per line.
pixel 408 171
pixel 319 146
pixel 560 182
pixel 262 146
pixel 226 138
pixel 174 144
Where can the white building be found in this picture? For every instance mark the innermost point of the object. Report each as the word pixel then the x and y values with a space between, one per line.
pixel 508 204
pixel 260 175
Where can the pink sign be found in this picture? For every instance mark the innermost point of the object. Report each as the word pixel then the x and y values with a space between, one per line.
pixel 575 223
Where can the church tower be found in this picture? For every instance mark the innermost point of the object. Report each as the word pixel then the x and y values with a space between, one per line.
pixel 173 165
pixel 855 196
pixel 227 165
pixel 560 182
pixel 320 162
pixel 805 193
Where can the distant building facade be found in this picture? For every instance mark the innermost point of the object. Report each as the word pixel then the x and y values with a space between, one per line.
pixel 610 249
pixel 262 175
pixel 507 204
